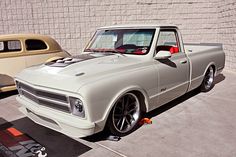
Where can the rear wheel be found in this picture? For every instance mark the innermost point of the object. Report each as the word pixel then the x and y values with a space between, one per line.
pixel 208 81
pixel 125 115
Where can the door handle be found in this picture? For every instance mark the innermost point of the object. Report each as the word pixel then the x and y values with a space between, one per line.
pixel 183 61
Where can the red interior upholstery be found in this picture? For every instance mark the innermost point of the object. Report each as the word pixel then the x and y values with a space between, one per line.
pixel 138 52
pixel 122 50
pixel 174 49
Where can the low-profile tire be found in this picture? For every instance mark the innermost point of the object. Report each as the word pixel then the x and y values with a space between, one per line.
pixel 208 80
pixel 125 115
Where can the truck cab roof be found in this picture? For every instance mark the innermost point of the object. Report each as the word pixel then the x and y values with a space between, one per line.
pixel 139 26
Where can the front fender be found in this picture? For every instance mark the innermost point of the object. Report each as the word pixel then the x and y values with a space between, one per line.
pixel 104 107
pixel 101 95
pixel 121 93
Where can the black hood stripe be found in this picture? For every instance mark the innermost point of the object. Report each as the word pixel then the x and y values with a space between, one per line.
pixel 63 62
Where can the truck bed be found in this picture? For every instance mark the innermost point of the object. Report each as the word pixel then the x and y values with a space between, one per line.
pixel 200 56
pixel 199 47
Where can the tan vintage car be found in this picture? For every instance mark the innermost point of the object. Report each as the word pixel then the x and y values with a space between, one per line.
pixel 19 51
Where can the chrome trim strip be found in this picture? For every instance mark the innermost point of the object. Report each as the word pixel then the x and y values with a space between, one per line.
pixel 38 91
pixel 45 99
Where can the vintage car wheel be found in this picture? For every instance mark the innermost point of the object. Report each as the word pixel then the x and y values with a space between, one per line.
pixel 208 81
pixel 125 115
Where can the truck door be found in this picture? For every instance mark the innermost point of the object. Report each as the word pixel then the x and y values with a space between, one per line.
pixel 173 73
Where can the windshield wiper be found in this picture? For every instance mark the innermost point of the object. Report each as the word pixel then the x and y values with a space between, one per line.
pixel 115 51
pixel 91 50
pixel 105 50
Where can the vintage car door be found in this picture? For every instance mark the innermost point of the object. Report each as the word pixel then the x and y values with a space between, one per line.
pixel 37 52
pixel 173 73
pixel 12 61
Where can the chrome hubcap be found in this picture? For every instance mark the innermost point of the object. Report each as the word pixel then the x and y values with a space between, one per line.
pixel 126 113
pixel 209 78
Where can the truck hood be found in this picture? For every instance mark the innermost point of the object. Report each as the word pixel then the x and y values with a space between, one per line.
pixel 69 74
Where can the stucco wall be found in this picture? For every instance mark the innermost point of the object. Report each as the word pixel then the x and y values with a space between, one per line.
pixel 72 22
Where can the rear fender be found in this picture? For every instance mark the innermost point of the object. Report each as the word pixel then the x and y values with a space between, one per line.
pixel 210 64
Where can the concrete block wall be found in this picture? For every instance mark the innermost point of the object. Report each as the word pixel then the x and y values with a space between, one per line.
pixel 227 31
pixel 73 22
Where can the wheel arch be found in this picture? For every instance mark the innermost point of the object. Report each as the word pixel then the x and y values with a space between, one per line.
pixel 142 96
pixel 207 67
pixel 202 86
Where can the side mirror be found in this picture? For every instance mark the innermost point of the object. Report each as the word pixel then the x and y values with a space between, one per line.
pixel 163 55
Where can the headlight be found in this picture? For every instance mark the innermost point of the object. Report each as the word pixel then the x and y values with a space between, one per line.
pixel 77 107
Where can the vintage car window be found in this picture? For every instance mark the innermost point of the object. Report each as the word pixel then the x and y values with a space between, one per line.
pixel 14 45
pixel 34 44
pixel 127 41
pixel 1 46
pixel 10 46
pixel 168 40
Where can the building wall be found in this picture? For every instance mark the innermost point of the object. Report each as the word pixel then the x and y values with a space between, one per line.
pixel 227 31
pixel 73 22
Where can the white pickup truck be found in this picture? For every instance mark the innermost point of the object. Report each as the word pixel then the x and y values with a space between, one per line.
pixel 123 72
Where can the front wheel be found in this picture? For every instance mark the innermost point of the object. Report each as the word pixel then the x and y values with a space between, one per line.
pixel 125 115
pixel 208 81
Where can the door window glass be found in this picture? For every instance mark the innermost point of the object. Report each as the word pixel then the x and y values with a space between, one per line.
pixel 168 41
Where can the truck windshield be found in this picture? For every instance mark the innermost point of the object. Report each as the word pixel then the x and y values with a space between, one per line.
pixel 127 41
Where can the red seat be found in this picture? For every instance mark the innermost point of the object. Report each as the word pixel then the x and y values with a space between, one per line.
pixel 174 49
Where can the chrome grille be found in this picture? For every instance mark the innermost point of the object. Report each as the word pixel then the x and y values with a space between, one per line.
pixel 44 98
